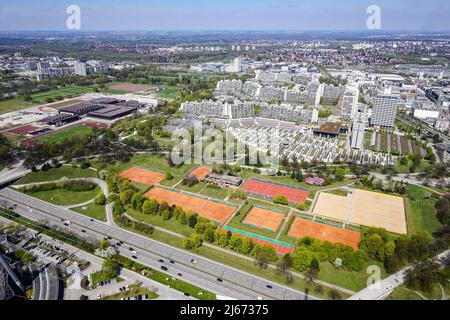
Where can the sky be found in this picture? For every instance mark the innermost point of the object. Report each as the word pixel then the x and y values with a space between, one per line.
pixel 289 15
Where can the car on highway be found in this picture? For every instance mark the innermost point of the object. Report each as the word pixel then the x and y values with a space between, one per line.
pixel 269 286
pixel 134 257
pixel 161 260
pixel 82 230
pixel 164 268
pixel 179 274
pixel 171 261
pixel 219 279
pixel 194 261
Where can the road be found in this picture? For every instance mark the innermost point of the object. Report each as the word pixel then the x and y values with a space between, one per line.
pixel 236 283
pixel 383 288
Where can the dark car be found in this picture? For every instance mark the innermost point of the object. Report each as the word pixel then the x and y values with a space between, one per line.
pixel 171 261
pixel 269 286
pixel 164 268
pixel 161 260
pixel 220 280
pixel 134 257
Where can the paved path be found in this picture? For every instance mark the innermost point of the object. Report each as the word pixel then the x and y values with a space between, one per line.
pixel 383 288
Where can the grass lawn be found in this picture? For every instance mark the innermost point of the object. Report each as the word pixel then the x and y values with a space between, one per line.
pixel 215 192
pixel 169 92
pixel 151 161
pixel 156 220
pixel 56 174
pixel 65 197
pixel 420 212
pixel 268 205
pixel 132 292
pixel 194 188
pixel 67 92
pixel 13 104
pixel 171 182
pixel 69 133
pixel 405 168
pixel 351 280
pixel 93 210
pixel 404 293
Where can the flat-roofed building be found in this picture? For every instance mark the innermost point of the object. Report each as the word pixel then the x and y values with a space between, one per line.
pixel 384 111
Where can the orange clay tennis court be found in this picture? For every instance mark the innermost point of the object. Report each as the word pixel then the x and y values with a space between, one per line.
pixel 143 176
pixel 205 207
pixel 305 228
pixel 271 189
pixel 200 173
pixel 264 219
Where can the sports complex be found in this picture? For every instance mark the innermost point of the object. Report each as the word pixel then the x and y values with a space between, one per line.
pixel 333 217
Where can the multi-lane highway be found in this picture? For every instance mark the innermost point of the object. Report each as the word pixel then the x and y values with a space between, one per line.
pixel 203 272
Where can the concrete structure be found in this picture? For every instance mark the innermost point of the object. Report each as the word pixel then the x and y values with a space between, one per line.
pixel 358 129
pixel 384 111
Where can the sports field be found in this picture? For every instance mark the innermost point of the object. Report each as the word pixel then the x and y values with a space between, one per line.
pixel 366 208
pixel 304 228
pixel 211 209
pixel 67 133
pixel 264 219
pixel 200 173
pixel 143 176
pixel 271 189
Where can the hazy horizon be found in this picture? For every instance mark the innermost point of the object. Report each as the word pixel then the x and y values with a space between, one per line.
pixel 232 15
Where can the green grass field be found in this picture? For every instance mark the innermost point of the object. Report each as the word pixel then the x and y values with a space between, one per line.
pixel 420 212
pixel 69 133
pixel 351 280
pixel 56 174
pixel 65 197
pixel 68 92
pixel 156 220
pixel 215 192
pixel 93 210
pixel 151 161
pixel 14 104
pixel 169 92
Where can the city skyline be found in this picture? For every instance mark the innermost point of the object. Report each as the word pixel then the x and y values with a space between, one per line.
pixel 183 15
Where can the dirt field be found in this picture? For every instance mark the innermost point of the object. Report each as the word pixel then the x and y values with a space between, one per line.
pixel 332 205
pixel 264 219
pixel 143 176
pixel 213 210
pixel 200 173
pixel 132 87
pixel 305 228
pixel 271 189
pixel 365 208
pixel 23 129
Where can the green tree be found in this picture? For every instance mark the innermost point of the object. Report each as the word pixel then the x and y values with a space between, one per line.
pixel 182 218
pixel 246 245
pixel 280 199
pixel 136 200
pixel 192 220
pixel 101 200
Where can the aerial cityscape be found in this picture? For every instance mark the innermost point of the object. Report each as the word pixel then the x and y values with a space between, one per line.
pixel 250 150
